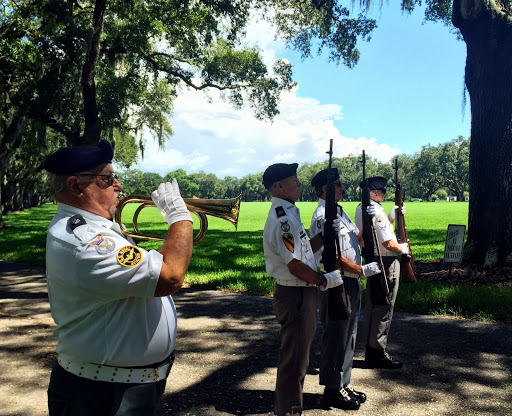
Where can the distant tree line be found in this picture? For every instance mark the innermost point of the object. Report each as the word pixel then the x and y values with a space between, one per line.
pixel 432 173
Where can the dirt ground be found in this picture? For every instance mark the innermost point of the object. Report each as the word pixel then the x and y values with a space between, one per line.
pixel 469 274
pixel 227 352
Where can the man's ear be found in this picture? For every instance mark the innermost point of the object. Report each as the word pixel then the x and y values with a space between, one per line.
pixel 73 186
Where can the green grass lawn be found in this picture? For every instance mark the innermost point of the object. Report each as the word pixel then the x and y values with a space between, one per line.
pixel 232 259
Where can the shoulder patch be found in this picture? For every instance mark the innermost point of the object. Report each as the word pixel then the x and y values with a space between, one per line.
pixel 280 212
pixel 129 256
pixel 288 241
pixel 285 226
pixel 103 245
pixel 76 221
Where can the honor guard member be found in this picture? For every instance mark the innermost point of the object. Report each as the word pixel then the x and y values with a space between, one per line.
pixel 377 318
pixel 339 337
pixel 290 260
pixel 116 320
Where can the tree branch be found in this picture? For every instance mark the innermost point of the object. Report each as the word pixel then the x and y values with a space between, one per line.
pixel 187 80
pixel 36 113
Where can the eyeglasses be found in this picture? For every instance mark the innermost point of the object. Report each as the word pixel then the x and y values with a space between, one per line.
pixel 294 180
pixel 110 178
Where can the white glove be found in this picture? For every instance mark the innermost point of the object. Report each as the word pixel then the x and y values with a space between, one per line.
pixel 392 213
pixel 370 269
pixel 338 226
pixel 169 202
pixel 370 209
pixel 405 248
pixel 333 279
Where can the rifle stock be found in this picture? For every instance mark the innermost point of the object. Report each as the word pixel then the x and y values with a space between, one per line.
pixel 337 305
pixel 407 269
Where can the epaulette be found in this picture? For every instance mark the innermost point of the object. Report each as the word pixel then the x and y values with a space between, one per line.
pixel 280 211
pixel 76 221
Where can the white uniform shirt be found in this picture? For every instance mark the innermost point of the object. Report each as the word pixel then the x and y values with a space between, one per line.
pixel 285 239
pixel 383 228
pixel 101 288
pixel 348 240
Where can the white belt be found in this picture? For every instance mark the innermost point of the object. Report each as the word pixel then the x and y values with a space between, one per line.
pixel 296 283
pixel 118 374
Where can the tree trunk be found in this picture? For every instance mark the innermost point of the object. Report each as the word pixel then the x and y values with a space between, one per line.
pixel 9 142
pixel 92 129
pixel 488 36
pixel 2 223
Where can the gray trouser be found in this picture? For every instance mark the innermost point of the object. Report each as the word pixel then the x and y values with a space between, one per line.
pixel 295 309
pixel 377 318
pixel 339 338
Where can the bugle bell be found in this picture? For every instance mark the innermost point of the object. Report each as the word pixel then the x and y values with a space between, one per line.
pixel 227 209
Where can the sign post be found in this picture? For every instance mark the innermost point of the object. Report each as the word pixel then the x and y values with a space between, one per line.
pixel 454 246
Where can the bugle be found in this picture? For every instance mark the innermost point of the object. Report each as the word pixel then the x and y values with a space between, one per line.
pixel 227 209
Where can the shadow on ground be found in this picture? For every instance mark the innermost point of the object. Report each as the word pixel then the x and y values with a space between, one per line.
pixel 227 353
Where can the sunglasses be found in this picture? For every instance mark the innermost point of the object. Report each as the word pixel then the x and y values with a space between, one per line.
pixel 109 178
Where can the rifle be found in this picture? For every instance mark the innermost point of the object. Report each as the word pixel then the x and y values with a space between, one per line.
pixel 379 289
pixel 407 268
pixel 337 305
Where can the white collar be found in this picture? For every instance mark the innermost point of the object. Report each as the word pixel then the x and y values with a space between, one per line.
pixel 69 210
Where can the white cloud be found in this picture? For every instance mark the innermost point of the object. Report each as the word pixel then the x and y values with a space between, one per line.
pixel 215 138
pixel 211 136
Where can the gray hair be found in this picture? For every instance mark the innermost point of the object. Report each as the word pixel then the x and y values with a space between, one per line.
pixel 58 184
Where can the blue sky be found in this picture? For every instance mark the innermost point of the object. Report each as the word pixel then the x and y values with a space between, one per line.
pixel 405 92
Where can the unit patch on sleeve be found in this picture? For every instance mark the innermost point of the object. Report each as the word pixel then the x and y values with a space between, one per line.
pixel 129 256
pixel 285 226
pixel 288 241
pixel 103 245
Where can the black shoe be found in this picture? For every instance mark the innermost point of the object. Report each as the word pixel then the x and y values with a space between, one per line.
pixel 358 395
pixel 380 359
pixel 340 399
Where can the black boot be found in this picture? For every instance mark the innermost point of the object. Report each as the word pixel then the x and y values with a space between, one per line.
pixel 339 399
pixel 358 395
pixel 380 359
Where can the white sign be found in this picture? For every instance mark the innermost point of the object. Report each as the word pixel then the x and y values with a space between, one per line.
pixel 454 243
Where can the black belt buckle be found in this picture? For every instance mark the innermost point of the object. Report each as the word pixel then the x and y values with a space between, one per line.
pixel 168 360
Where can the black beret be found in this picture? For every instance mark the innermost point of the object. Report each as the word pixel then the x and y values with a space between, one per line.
pixel 320 179
pixel 277 172
pixel 376 182
pixel 78 159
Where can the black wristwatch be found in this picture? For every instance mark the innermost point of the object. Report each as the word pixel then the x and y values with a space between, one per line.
pixel 324 280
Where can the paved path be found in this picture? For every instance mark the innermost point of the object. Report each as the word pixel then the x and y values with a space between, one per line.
pixel 227 352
